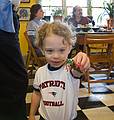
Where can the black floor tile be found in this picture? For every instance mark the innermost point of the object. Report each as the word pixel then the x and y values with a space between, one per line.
pixel 82 86
pixel 81 116
pixel 90 102
pixel 111 107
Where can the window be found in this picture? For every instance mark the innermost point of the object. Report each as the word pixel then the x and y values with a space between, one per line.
pixel 97 9
pixel 70 4
pixel 48 5
pixel 97 5
pixel 82 3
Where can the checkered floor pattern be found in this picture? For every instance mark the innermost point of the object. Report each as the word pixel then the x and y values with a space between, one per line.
pixel 98 105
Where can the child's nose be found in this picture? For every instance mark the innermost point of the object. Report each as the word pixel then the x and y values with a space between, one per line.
pixel 56 55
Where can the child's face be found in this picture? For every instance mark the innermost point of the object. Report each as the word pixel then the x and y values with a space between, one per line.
pixel 56 51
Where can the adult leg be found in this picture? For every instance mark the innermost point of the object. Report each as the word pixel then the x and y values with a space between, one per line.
pixel 13 82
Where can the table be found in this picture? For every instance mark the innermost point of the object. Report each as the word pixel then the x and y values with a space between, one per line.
pixel 79 46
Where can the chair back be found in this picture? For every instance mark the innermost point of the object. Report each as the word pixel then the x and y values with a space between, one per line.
pixel 99 48
pixel 32 57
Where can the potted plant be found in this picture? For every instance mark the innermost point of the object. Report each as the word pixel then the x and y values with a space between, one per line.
pixel 57 14
pixel 108 10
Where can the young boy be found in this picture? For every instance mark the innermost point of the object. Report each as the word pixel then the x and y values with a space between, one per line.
pixel 56 84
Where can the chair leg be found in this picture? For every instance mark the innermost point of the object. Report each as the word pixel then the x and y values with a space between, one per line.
pixel 28 59
pixel 109 70
pixel 88 80
pixel 88 86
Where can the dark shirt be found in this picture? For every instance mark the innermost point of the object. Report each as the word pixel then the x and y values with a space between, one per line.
pixel 83 21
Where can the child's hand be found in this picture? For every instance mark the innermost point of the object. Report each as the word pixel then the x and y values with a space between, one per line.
pixel 82 61
pixel 74 69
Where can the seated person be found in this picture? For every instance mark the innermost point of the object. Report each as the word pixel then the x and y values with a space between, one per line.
pixel 77 18
pixel 35 22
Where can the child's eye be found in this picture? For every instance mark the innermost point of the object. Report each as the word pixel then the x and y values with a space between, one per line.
pixel 62 50
pixel 48 51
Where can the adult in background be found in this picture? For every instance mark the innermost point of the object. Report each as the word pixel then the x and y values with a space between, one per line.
pixel 14 80
pixel 78 18
pixel 35 22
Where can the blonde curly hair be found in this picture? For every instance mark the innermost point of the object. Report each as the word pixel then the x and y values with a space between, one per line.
pixel 56 28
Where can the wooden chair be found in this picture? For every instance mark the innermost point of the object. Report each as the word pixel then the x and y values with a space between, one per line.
pixel 101 56
pixel 33 61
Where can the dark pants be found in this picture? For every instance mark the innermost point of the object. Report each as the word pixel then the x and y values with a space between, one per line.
pixel 13 111
pixel 13 79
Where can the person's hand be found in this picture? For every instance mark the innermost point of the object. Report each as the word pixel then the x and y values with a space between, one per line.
pixel 82 61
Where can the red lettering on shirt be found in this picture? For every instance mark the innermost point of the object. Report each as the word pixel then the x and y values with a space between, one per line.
pixel 53 103
pixel 52 83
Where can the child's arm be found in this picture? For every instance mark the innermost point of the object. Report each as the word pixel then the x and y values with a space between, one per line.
pixel 35 102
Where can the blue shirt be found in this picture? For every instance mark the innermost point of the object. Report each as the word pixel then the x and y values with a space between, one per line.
pixel 6 16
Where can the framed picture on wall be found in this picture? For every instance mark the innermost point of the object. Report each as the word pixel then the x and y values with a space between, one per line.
pixel 25 1
pixel 24 13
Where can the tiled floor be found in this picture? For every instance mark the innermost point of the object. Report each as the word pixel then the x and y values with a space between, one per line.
pixel 98 105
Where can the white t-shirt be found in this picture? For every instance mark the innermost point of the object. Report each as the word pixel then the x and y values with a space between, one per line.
pixel 59 93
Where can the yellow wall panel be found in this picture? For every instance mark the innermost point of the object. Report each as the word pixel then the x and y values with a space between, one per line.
pixel 23 43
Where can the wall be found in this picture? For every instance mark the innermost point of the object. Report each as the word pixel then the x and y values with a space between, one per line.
pixel 23 43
